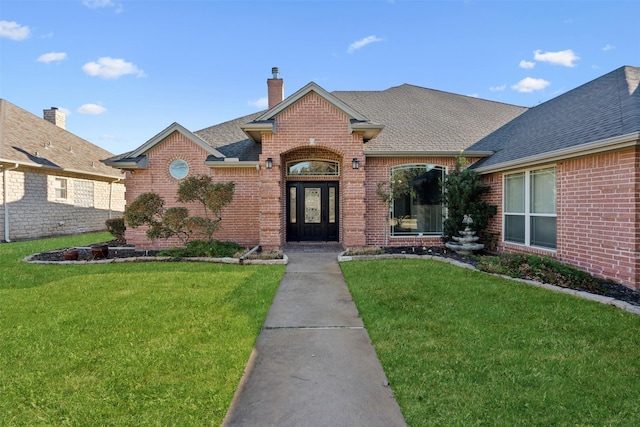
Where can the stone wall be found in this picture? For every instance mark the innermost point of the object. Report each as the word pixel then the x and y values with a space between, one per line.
pixel 35 210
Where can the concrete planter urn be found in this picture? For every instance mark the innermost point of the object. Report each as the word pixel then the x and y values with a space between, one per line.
pixel 99 251
pixel 71 254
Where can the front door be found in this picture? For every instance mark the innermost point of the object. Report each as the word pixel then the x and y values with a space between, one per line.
pixel 312 211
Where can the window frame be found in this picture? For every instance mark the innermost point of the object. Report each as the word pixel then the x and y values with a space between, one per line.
pixel 61 192
pixel 528 209
pixel 395 234
pixel 296 162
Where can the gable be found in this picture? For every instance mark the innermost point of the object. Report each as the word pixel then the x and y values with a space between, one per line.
pixel 266 122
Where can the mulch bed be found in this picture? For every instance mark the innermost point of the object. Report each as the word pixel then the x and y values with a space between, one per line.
pixel 607 288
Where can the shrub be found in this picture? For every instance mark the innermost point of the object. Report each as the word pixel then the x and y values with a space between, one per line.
pixel 542 269
pixel 116 227
pixel 463 195
pixel 200 248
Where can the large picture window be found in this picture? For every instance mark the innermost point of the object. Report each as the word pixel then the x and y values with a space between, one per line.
pixel 530 208
pixel 416 209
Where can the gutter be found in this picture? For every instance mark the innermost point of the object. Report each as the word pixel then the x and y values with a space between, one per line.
pixel 230 162
pixel 610 144
pixel 428 153
pixel 111 196
pixel 4 199
pixel 38 166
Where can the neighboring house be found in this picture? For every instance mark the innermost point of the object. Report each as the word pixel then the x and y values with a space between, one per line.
pixel 308 169
pixel 51 181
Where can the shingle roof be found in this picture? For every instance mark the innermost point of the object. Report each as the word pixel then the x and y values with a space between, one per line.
pixel 606 107
pixel 31 140
pixel 414 119
pixel 230 140
pixel 420 119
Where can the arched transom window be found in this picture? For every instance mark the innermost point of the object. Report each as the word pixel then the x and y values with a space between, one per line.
pixel 313 168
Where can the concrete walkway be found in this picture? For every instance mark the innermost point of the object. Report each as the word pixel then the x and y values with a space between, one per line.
pixel 313 363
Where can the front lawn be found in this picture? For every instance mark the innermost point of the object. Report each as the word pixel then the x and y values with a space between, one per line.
pixel 460 347
pixel 124 344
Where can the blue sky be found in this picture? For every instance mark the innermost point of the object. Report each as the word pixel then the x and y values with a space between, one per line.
pixel 123 70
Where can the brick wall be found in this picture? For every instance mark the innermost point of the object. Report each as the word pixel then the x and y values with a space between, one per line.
pixel 239 219
pixel 312 129
pixel 35 211
pixel 377 215
pixel 598 212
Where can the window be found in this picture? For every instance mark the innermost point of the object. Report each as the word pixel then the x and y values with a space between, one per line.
pixel 530 208
pixel 416 209
pixel 60 185
pixel 312 168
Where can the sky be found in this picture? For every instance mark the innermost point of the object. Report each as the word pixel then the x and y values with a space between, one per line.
pixel 124 70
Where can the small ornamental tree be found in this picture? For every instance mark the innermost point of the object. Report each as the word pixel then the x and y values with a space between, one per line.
pixel 148 210
pixel 463 195
pixel 213 197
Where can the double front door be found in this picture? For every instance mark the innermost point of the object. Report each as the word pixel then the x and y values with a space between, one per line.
pixel 312 211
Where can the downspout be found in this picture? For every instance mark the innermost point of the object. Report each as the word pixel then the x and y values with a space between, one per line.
pixel 5 200
pixel 111 195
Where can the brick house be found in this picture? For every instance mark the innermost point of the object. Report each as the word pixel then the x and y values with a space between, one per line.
pixel 51 181
pixel 308 169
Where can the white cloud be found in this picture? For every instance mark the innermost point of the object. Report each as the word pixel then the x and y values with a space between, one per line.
pixel 111 68
pixel 99 4
pixel 362 43
pixel 497 88
pixel 563 57
pixel 260 103
pixel 473 95
pixel 96 4
pixel 529 84
pixel 14 31
pixel 608 47
pixel 52 57
pixel 109 137
pixel 527 64
pixel 92 109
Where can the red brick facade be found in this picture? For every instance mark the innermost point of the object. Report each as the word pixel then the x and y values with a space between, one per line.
pixel 239 219
pixel 312 128
pixel 598 210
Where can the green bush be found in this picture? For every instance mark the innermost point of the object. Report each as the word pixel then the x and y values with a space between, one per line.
pixel 199 248
pixel 463 194
pixel 542 269
pixel 116 227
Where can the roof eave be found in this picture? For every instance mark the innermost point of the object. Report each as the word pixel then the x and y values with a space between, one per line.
pixel 230 162
pixel 475 154
pixel 12 163
pixel 367 129
pixel 615 143
pixel 254 130
pixel 129 163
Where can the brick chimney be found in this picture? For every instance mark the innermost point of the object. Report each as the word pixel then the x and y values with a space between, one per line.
pixel 276 88
pixel 56 117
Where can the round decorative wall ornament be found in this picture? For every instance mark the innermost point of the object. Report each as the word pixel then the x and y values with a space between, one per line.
pixel 179 169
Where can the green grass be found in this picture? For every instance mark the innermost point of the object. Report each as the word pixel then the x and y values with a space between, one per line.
pixel 464 348
pixel 124 344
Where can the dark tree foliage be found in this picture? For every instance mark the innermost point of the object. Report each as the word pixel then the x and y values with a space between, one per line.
pixel 148 210
pixel 463 195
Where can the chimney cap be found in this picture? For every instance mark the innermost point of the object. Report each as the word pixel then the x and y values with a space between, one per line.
pixel 275 71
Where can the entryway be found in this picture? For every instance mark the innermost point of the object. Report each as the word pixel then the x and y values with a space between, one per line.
pixel 312 211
